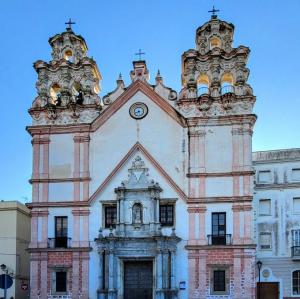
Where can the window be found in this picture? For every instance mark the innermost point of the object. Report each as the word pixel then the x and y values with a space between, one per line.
pixel 68 55
pixel 296 174
pixel 264 207
pixel 110 216
pixel 55 95
pixel 218 229
pixel 265 241
pixel 296 237
pixel 166 215
pixel 296 282
pixel 296 205
pixel 227 84
pixel 215 42
pixel 61 232
pixel 219 281
pixel 203 85
pixel 61 282
pixel 219 277
pixel 264 176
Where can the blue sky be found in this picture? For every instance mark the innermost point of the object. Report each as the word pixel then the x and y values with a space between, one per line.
pixel 114 30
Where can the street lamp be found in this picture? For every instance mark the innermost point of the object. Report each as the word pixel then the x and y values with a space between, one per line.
pixel 259 264
pixel 5 270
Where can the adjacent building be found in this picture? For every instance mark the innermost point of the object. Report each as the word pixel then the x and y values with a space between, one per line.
pixel 145 193
pixel 277 221
pixel 14 241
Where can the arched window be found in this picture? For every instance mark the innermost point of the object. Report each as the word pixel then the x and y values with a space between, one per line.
pixel 55 95
pixel 203 85
pixel 68 55
pixel 77 93
pixel 296 282
pixel 227 84
pixel 137 213
pixel 215 42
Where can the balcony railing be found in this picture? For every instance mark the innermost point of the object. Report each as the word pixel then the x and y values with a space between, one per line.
pixel 203 91
pixel 67 296
pixel 296 252
pixel 59 242
pixel 219 239
pixel 227 89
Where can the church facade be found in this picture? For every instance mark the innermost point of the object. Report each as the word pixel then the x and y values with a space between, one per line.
pixel 145 193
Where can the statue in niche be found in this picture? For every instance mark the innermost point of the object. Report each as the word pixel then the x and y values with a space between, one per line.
pixel 137 214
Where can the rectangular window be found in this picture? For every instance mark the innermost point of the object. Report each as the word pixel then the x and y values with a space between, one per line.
pixel 296 205
pixel 110 216
pixel 264 176
pixel 265 241
pixel 61 282
pixel 166 215
pixel 61 231
pixel 219 281
pixel 264 207
pixel 218 229
pixel 296 174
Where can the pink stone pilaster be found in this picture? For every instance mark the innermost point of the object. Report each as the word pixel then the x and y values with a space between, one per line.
pixel 86 170
pixel 236 224
pixel 202 237
pixel 34 278
pixel 191 278
pixel 44 274
pixel 247 224
pixel 36 158
pixel 237 274
pixel 191 226
pixel 85 275
pixel 75 275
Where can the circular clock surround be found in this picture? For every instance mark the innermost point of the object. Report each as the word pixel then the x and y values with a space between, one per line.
pixel 138 110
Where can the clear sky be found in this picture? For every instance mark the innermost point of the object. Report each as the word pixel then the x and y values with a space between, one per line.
pixel 114 30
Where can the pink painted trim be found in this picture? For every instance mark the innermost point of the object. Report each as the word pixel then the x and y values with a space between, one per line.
pixel 36 160
pixel 192 226
pixel 136 86
pixel 135 148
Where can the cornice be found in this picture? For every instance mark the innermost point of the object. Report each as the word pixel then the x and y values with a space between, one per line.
pixel 219 199
pixel 220 174
pixel 276 186
pixel 57 204
pixel 59 180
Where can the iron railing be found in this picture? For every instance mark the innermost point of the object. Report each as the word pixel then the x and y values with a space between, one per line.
pixel 219 239
pixel 227 89
pixel 59 242
pixel 296 251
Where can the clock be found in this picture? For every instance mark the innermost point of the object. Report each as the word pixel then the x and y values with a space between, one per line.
pixel 138 110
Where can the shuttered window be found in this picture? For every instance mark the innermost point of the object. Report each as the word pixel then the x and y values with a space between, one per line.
pixel 264 207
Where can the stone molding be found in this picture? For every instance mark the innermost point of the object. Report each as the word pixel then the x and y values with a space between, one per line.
pixel 220 174
pixel 216 199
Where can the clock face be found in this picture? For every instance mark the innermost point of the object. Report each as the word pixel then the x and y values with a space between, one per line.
pixel 138 110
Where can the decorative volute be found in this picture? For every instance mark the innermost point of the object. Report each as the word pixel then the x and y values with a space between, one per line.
pixel 214 74
pixel 68 85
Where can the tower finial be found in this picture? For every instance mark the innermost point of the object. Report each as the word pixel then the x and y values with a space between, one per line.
pixel 70 23
pixel 213 12
pixel 140 53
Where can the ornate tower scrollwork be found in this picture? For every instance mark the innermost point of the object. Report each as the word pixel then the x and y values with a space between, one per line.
pixel 68 85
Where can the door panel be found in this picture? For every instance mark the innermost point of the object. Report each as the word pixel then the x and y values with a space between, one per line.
pixel 138 280
pixel 268 290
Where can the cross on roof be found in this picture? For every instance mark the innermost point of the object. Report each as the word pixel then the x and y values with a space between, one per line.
pixel 140 53
pixel 70 23
pixel 213 11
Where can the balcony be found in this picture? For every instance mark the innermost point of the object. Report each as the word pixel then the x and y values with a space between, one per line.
pixel 296 252
pixel 59 242
pixel 219 240
pixel 69 296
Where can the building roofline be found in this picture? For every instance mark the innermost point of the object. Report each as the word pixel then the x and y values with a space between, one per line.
pixel 277 155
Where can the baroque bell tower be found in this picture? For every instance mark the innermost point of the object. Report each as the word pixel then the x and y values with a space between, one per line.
pixel 217 102
pixel 68 85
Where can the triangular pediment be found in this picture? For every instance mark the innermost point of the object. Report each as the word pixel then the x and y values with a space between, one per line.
pixel 138 86
pixel 138 148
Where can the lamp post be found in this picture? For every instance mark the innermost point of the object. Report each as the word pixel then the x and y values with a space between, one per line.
pixel 5 270
pixel 259 264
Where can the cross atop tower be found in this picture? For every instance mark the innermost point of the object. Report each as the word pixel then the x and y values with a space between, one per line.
pixel 213 12
pixel 140 53
pixel 70 23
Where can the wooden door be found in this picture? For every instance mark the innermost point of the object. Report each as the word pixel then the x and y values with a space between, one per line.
pixel 268 290
pixel 138 280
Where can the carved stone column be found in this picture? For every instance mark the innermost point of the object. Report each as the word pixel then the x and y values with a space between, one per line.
pixel 236 210
pixel 111 290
